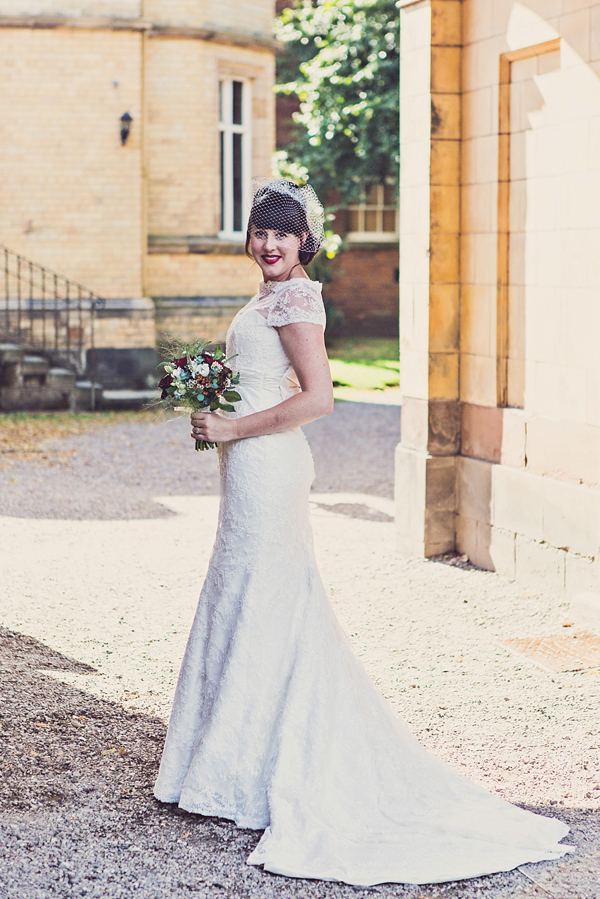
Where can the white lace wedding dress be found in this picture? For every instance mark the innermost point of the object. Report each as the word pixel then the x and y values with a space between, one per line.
pixel 275 723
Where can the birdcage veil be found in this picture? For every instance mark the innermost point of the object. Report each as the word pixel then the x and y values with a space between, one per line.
pixel 281 204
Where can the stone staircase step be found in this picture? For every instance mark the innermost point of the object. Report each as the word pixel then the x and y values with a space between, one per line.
pixel 10 362
pixel 64 378
pixel 34 369
pixel 34 365
pixel 88 396
pixel 36 398
pixel 10 353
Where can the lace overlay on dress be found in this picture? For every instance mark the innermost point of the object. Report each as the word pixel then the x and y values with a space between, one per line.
pixel 275 724
pixel 290 302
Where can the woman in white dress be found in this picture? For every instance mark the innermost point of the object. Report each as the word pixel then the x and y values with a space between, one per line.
pixel 275 724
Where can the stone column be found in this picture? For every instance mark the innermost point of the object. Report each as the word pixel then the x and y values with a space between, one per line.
pixel 430 105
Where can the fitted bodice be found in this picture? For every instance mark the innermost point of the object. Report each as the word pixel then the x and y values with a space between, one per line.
pixel 267 376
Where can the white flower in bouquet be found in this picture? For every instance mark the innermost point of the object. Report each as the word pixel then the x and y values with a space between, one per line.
pixel 198 367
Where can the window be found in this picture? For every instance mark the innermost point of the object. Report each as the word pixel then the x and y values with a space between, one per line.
pixel 375 217
pixel 235 147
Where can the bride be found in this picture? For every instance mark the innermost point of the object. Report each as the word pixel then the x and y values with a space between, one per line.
pixel 275 723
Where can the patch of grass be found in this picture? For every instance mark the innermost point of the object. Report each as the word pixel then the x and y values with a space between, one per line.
pixel 25 434
pixel 367 363
pixel 362 377
pixel 365 350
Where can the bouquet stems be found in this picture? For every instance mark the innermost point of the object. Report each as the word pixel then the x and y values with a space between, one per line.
pixel 203 445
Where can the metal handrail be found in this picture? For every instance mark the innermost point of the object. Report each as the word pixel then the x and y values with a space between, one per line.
pixel 35 297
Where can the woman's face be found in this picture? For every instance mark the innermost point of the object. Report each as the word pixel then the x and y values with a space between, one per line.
pixel 276 252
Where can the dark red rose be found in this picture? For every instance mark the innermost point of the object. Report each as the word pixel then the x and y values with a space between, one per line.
pixel 181 362
pixel 165 382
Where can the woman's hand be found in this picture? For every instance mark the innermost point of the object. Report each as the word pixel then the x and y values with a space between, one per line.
pixel 212 427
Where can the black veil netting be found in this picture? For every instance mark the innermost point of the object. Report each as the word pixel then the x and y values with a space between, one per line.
pixel 282 205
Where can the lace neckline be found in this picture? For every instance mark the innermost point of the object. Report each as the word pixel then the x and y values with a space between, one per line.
pixel 270 286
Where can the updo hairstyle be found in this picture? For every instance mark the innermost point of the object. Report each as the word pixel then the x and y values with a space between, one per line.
pixel 281 206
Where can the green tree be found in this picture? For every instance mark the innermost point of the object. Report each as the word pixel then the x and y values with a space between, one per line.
pixel 341 61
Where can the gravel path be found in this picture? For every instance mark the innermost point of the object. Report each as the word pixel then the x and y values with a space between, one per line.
pixel 82 738
pixel 114 472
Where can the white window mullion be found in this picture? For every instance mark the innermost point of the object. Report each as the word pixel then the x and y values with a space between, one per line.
pixel 227 187
pixel 247 151
pixel 228 182
pixel 228 129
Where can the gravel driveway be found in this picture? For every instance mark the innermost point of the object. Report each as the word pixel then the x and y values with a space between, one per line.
pixel 104 579
pixel 114 472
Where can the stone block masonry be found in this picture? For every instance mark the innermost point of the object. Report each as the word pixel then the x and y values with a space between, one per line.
pixel 71 195
pixel 131 222
pixel 182 97
pixel 499 314
pixel 429 275
pixel 192 318
pixel 125 323
pixel 120 9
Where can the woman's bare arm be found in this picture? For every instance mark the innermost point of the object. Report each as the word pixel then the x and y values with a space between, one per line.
pixel 304 346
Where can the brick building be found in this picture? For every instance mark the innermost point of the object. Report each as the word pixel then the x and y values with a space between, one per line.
pixel 153 224
pixel 364 283
pixel 499 274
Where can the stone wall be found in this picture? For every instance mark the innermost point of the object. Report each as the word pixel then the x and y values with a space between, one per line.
pixel 79 8
pixel 255 17
pixel 429 275
pixel 184 209
pixel 525 498
pixel 530 366
pixel 125 323
pixel 190 319
pixel 70 194
pixel 194 275
pixel 139 220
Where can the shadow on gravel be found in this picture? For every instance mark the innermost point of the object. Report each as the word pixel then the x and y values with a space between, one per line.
pixel 78 819
pixel 355 510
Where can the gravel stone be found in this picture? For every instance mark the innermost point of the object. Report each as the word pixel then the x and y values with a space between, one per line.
pixel 97 600
pixel 113 473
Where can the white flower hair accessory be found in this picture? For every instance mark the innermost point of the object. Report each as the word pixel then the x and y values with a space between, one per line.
pixel 281 204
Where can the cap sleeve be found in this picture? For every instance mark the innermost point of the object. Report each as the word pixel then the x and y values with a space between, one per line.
pixel 298 302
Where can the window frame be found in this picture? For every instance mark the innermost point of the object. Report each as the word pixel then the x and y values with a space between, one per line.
pixel 227 129
pixel 379 236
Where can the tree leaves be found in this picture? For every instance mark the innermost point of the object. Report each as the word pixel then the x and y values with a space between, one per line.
pixel 341 61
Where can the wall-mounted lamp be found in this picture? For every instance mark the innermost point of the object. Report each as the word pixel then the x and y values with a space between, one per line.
pixel 126 121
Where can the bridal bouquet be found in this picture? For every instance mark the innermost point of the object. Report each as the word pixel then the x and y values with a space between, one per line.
pixel 196 378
